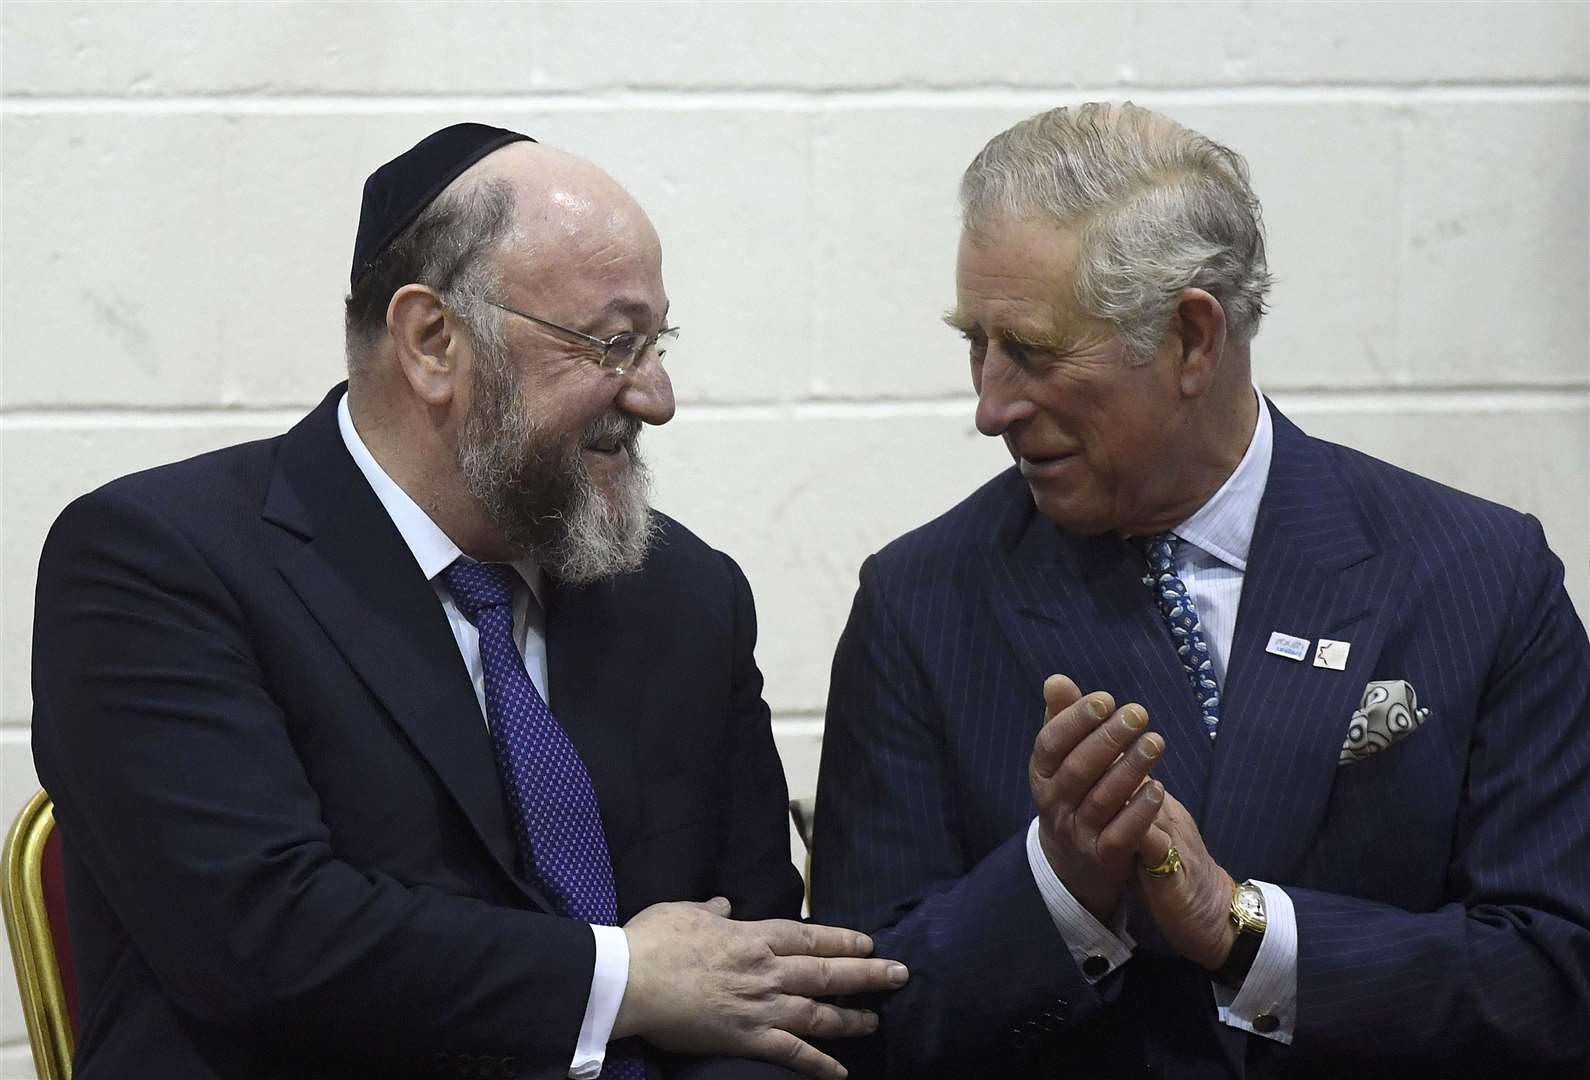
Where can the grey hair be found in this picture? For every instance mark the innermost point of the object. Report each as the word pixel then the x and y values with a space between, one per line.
pixel 445 247
pixel 1161 209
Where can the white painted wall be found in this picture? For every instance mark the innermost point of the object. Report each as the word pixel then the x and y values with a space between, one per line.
pixel 181 184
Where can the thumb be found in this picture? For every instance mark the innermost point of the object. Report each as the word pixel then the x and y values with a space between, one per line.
pixel 719 906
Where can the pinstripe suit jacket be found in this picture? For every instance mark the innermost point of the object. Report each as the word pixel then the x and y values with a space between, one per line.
pixel 1442 888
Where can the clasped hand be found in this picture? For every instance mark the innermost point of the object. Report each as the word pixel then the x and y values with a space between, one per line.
pixel 1102 821
pixel 701 983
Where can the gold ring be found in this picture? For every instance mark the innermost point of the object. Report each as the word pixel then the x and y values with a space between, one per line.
pixel 1165 869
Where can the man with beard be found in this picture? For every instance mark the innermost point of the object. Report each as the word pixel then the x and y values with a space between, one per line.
pixel 1192 746
pixel 293 848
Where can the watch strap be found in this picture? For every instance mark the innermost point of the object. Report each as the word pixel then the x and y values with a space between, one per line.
pixel 1250 935
pixel 1240 960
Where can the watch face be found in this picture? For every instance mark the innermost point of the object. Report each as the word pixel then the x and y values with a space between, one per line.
pixel 1248 904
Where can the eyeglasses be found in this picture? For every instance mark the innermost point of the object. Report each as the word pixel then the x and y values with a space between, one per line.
pixel 621 352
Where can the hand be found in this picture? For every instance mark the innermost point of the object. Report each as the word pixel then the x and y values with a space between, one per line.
pixel 1192 907
pixel 1089 777
pixel 700 983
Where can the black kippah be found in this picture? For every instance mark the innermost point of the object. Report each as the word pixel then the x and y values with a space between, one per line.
pixel 395 193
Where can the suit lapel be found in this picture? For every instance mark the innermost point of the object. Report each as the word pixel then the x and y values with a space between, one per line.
pixel 360 582
pixel 1077 606
pixel 1313 572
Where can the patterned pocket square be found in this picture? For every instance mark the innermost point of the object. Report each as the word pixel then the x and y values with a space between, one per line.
pixel 1388 713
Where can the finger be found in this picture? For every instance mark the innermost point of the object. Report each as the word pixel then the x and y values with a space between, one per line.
pixel 782 1048
pixel 719 906
pixel 824 976
pixel 1084 765
pixel 1059 692
pixel 1152 851
pixel 1125 834
pixel 787 937
pixel 1118 784
pixel 819 1019
pixel 1067 728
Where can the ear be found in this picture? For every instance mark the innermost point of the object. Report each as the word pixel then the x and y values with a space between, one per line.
pixel 1198 334
pixel 428 343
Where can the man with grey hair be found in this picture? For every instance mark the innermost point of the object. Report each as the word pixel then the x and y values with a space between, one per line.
pixel 292 846
pixel 1180 646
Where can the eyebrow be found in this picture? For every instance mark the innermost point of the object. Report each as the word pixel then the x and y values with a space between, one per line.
pixel 1028 337
pixel 638 311
pixel 956 321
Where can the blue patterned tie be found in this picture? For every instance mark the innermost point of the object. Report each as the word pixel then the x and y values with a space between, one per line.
pixel 1170 594
pixel 561 843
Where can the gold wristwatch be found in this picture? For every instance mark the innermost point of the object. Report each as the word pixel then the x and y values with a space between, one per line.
pixel 1247 915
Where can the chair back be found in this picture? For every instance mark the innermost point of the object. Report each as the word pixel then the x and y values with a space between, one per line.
pixel 34 897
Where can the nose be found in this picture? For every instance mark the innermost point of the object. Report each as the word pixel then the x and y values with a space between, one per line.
pixel 1002 400
pixel 648 393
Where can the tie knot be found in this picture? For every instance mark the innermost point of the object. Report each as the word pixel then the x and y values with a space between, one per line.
pixel 477 586
pixel 1159 547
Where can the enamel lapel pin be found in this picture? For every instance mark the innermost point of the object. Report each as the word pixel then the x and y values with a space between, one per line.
pixel 1293 648
pixel 1332 654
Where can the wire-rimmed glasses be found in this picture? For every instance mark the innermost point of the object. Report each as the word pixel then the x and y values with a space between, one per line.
pixel 621 352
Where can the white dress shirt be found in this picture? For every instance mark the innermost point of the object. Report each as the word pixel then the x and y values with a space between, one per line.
pixel 435 552
pixel 1211 561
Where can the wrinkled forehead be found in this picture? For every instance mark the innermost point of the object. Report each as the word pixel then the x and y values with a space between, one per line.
pixel 1021 262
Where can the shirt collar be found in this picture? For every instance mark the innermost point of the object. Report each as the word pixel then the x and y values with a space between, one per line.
pixel 433 549
pixel 1223 526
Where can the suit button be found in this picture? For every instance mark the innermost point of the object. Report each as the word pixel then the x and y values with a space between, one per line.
pixel 1095 966
pixel 1264 1023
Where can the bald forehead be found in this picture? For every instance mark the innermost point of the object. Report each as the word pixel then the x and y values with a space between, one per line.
pixel 581 245
pixel 559 196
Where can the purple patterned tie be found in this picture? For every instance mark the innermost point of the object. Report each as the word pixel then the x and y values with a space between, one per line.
pixel 561 843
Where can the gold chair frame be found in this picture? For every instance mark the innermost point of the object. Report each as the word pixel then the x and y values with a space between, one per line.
pixel 32 944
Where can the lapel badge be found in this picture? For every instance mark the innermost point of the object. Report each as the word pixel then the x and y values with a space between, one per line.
pixel 1332 654
pixel 1293 648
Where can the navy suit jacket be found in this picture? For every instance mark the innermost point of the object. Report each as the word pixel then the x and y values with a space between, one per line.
pixel 288 852
pixel 1442 888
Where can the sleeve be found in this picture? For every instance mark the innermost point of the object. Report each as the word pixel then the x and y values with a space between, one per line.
pixel 608 980
pixel 1499 975
pixel 989 973
pixel 1096 948
pixel 180 790
pixel 1270 990
pixel 755 872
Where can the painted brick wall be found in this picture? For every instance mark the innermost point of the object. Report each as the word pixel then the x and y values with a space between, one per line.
pixel 181 184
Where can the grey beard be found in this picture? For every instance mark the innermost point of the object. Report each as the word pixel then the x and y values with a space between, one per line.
pixel 542 499
pixel 600 537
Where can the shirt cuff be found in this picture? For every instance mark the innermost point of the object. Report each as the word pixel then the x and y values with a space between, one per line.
pixel 1096 950
pixel 608 980
pixel 1266 1002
